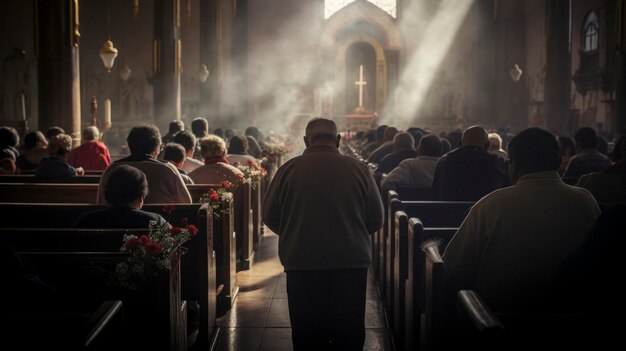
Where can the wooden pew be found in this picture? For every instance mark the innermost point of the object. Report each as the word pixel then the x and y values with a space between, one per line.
pixel 62 258
pixel 225 246
pixel 48 193
pixel 66 326
pixel 199 264
pixel 242 220
pixel 30 178
pixel 410 304
pixel 433 214
pixel 382 242
pixel 416 193
pixel 87 172
pixel 479 327
pixel 431 328
pixel 256 200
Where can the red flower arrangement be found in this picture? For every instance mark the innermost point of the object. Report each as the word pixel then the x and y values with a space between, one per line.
pixel 216 197
pixel 149 251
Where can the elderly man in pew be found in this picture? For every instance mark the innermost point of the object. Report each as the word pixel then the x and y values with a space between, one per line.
pixel 469 172
pixel 418 171
pixel 92 154
pixel 514 241
pixel 166 184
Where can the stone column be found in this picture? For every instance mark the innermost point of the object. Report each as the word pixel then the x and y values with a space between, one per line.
pixel 58 39
pixel 209 92
pixel 558 66
pixel 167 51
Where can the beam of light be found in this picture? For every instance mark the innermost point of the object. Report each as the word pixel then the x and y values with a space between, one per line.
pixel 422 65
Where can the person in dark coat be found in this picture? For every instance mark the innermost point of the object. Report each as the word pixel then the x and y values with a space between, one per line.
pixel 470 172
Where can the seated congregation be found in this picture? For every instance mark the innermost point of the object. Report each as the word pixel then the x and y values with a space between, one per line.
pixel 493 239
pixel 136 246
pixel 503 246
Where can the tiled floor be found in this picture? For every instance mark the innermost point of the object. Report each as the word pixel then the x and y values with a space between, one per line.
pixel 259 319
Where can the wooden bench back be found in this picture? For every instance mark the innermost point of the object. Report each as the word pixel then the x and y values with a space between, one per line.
pixel 414 289
pixel 416 193
pixel 433 297
pixel 200 263
pixel 242 219
pixel 30 178
pixel 432 214
pixel 155 309
pixel 49 193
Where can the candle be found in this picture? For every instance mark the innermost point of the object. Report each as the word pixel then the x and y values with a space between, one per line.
pixel 23 107
pixel 107 113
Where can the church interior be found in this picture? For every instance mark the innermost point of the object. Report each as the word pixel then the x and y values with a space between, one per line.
pixel 440 66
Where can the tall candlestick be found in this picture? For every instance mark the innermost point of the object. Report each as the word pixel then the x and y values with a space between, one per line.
pixel 23 107
pixel 107 114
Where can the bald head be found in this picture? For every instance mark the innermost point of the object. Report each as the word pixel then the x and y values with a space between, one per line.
pixel 403 141
pixel 475 136
pixel 320 130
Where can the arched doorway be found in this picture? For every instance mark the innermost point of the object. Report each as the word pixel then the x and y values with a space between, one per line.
pixel 359 34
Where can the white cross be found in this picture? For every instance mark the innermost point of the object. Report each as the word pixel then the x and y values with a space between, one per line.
pixel 360 83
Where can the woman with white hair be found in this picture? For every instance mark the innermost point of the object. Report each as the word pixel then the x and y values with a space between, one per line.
pixel 216 167
pixel 56 166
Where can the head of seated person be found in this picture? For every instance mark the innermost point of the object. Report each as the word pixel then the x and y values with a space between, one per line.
pixel 127 187
pixel 60 146
pixel 403 141
pixel 54 131
pixel 586 139
pixel 213 149
pixel 238 145
pixel 9 137
pixel 200 127
pixel 91 133
pixel 430 145
pixel 532 150
pixel 476 136
pixel 144 140
pixel 175 154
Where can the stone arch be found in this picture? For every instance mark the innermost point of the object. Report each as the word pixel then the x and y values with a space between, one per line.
pixel 361 11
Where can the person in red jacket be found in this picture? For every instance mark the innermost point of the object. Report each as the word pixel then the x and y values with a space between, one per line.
pixel 93 154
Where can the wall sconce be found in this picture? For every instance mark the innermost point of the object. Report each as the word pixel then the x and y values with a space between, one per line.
pixel 203 74
pixel 516 73
pixel 125 72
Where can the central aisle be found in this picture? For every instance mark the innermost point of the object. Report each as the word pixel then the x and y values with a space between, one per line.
pixel 259 319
